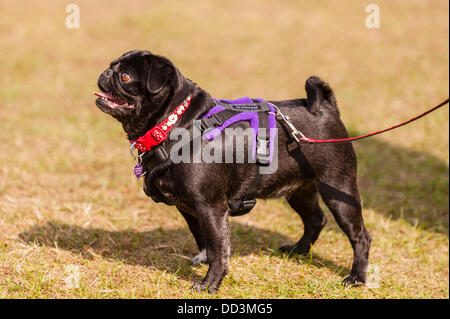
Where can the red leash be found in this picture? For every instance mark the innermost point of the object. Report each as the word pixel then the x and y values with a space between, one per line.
pixel 311 140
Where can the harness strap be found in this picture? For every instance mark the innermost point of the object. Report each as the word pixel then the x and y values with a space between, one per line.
pixel 216 119
pixel 244 205
pixel 223 115
pixel 155 162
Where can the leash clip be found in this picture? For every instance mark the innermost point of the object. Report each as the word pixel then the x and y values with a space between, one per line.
pixel 296 134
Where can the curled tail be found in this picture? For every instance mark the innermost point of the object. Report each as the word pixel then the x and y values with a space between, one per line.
pixel 320 96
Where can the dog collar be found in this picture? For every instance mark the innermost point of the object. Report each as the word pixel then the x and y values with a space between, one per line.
pixel 158 133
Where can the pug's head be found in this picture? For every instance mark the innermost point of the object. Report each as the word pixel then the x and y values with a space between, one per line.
pixel 137 89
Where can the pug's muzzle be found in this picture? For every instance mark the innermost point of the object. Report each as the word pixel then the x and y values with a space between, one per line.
pixel 106 99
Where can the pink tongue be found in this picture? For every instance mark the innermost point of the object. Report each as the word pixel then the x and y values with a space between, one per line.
pixel 101 94
pixel 109 97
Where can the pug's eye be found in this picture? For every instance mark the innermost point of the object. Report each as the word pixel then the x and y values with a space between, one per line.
pixel 125 77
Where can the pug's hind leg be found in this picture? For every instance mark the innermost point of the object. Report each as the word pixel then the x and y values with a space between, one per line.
pixel 305 202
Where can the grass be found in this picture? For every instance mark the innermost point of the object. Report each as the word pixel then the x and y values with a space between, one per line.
pixel 68 197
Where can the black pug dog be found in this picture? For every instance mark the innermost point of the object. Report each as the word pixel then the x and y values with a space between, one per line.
pixel 141 90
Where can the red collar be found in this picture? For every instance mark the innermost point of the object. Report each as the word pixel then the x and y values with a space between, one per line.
pixel 158 133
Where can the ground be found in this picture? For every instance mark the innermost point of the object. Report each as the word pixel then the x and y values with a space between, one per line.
pixel 70 207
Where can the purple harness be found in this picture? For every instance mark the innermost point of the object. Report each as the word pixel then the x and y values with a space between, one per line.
pixel 261 115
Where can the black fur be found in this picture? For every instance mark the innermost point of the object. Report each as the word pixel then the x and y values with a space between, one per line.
pixel 201 191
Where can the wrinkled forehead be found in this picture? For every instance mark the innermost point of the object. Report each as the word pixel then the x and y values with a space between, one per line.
pixel 129 57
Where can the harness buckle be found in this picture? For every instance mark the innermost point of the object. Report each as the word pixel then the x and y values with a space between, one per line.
pixel 262 151
pixel 210 122
pixel 247 205
pixel 241 207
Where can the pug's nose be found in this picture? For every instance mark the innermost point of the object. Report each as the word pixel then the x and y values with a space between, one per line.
pixel 108 73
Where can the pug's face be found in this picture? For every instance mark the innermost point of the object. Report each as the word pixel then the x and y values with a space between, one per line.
pixel 134 87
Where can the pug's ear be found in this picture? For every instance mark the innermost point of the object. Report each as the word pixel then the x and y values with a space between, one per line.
pixel 160 71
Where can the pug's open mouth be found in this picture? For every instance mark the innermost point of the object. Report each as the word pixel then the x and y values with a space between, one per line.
pixel 112 102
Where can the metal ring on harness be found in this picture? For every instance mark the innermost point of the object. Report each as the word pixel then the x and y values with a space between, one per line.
pixel 137 157
pixel 132 148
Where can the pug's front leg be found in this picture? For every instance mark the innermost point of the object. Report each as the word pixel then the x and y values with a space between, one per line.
pixel 215 228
